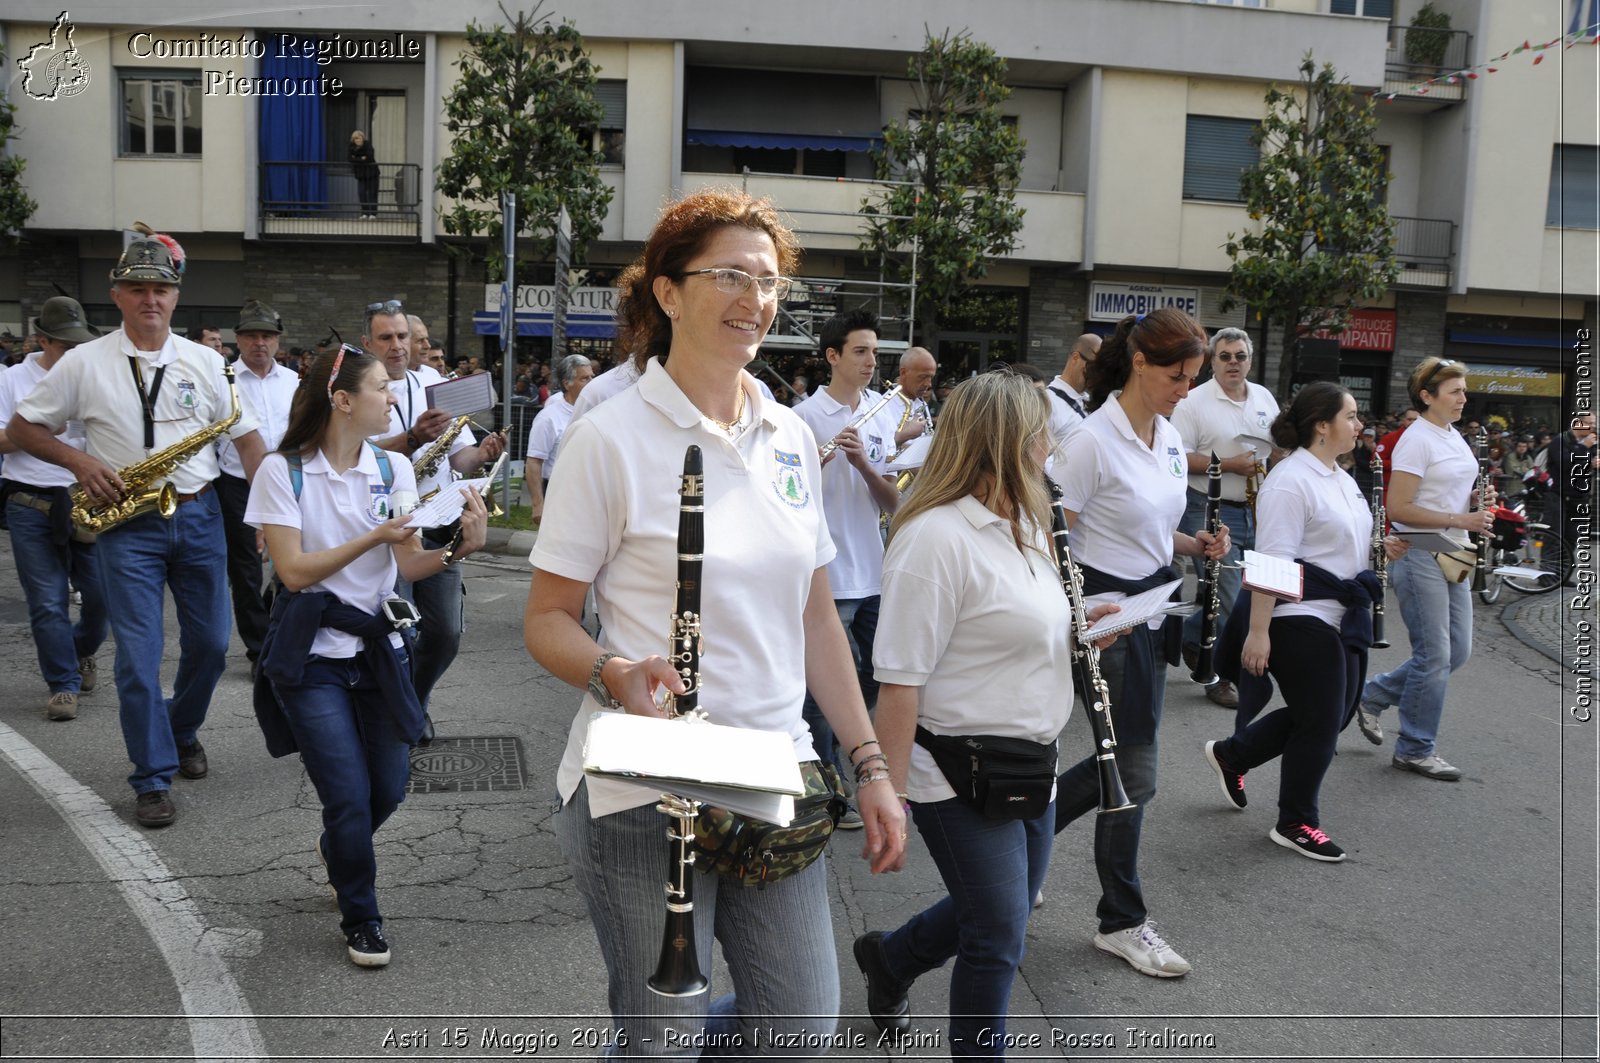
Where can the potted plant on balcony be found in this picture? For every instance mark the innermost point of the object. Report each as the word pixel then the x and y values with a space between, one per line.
pixel 1427 38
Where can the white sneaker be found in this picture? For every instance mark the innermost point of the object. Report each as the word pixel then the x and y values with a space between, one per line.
pixel 1145 950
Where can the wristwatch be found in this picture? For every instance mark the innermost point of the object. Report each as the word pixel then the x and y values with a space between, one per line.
pixel 597 686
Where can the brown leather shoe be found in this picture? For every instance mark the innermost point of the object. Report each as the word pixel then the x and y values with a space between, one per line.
pixel 155 809
pixel 192 760
pixel 63 705
pixel 1223 693
pixel 88 674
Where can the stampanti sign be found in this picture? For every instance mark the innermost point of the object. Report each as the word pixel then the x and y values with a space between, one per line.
pixel 1369 330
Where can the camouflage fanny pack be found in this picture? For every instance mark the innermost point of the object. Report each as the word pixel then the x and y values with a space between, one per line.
pixel 753 853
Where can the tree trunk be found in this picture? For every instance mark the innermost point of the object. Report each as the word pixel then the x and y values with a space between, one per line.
pixel 1291 357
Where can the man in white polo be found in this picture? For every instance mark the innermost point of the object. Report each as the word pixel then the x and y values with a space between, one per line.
pixel 545 436
pixel 917 370
pixel 1216 418
pixel 1069 394
pixel 856 490
pixel 268 389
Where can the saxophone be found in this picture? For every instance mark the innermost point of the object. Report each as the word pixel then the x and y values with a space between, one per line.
pixel 434 456
pixel 139 493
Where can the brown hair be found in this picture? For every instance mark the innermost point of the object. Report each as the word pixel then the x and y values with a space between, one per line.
pixel 643 328
pixel 310 410
pixel 1165 337
pixel 1428 375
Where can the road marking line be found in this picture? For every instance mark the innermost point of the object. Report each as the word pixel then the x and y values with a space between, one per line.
pixel 169 914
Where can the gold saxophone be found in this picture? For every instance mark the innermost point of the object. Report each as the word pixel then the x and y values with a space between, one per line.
pixel 139 493
pixel 428 464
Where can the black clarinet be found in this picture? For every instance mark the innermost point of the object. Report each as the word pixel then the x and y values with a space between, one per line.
pixel 1380 559
pixel 678 972
pixel 1208 595
pixel 1086 666
pixel 1484 540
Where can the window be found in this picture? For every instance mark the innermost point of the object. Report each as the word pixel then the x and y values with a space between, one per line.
pixel 610 138
pixel 1369 8
pixel 1574 187
pixel 1215 152
pixel 161 114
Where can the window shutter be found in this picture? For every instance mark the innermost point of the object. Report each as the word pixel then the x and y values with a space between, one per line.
pixel 613 96
pixel 1215 152
pixel 1574 186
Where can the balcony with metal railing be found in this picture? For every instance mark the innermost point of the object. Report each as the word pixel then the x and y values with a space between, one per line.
pixel 1419 54
pixel 1426 251
pixel 328 200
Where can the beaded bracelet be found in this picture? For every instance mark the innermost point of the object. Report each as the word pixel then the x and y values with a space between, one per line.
pixel 868 759
pixel 860 747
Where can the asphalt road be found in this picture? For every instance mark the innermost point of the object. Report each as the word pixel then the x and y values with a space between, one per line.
pixel 1461 927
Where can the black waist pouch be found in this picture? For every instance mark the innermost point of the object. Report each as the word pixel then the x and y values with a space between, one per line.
pixel 1003 778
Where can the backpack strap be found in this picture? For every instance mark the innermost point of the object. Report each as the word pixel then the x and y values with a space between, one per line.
pixel 383 463
pixel 297 477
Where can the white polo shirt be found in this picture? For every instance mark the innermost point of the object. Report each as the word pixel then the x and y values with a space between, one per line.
pixel 411 402
pixel 857 570
pixel 1208 420
pixel 612 520
pixel 982 628
pixel 1444 461
pixel 612 382
pixel 17 383
pixel 93 383
pixel 1306 510
pixel 334 509
pixel 270 397
pixel 548 426
pixel 1128 497
pixel 1063 418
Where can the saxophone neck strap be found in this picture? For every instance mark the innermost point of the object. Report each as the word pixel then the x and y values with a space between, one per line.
pixel 147 399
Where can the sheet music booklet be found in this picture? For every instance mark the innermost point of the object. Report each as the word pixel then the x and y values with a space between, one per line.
pixel 1274 575
pixel 747 771
pixel 1141 608
pixel 446 506
pixel 462 396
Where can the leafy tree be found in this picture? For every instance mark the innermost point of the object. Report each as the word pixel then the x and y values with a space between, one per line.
pixel 523 116
pixel 1326 239
pixel 960 163
pixel 16 206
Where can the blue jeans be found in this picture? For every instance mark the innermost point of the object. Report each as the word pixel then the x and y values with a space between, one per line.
pixel 187 554
pixel 441 599
pixel 992 871
pixel 43 568
pixel 359 763
pixel 778 942
pixel 1116 835
pixel 1242 534
pixel 860 619
pixel 1438 617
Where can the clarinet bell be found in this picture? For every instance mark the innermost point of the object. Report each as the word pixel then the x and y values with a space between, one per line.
pixel 678 971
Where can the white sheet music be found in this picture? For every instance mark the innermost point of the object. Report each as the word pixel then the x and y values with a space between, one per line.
pixel 446 506
pixel 463 395
pixel 1276 576
pixel 1141 608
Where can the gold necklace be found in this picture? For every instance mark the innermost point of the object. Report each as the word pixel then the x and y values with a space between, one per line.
pixel 738 415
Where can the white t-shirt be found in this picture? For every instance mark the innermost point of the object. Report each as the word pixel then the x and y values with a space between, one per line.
pixel 92 383
pixel 1306 510
pixel 1445 463
pixel 16 384
pixel 612 520
pixel 982 628
pixel 1128 497
pixel 270 397
pixel 1207 420
pixel 411 402
pixel 340 507
pixel 548 426
pixel 857 570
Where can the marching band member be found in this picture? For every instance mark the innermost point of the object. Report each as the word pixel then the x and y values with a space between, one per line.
pixel 336 666
pixel 441 596
pixel 420 364
pixel 695 308
pixel 1309 510
pixel 50 558
pixel 1432 488
pixel 1123 492
pixel 269 389
pixel 975 640
pixel 544 437
pixel 856 490
pixel 139 391
pixel 917 370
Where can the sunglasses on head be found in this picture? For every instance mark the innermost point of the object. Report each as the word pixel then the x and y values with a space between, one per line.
pixel 338 360
pixel 388 306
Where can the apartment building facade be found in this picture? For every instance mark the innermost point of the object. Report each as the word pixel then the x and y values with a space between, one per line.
pixel 1136 115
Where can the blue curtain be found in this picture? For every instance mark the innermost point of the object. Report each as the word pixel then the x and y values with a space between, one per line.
pixel 291 131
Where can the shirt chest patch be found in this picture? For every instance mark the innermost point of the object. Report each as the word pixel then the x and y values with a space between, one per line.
pixel 874 449
pixel 1262 420
pixel 788 479
pixel 187 398
pixel 1175 463
pixel 378 507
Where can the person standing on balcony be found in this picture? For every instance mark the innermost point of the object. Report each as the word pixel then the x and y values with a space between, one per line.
pixel 364 164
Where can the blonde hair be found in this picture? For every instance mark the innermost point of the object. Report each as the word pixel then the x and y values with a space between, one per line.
pixel 1428 375
pixel 986 428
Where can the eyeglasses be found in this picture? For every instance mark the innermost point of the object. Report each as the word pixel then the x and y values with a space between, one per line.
pixel 736 281
pixel 388 306
pixel 338 360
pixel 1232 356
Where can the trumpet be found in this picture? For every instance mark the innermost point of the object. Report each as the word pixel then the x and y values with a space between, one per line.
pixel 1380 559
pixel 678 971
pixel 857 421
pixel 1086 667
pixel 1252 483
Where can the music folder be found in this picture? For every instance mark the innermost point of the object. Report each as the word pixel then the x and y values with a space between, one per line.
pixel 1154 604
pixel 462 396
pixel 738 768
pixel 446 506
pixel 1274 575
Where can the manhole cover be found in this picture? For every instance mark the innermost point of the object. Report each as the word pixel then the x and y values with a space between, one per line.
pixel 467 765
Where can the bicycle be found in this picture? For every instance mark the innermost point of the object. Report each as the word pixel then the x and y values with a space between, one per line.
pixel 1539 554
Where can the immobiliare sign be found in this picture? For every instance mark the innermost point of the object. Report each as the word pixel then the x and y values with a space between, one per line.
pixel 1112 302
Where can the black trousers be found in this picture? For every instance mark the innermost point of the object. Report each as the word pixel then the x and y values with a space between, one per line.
pixel 1320 681
pixel 244 564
